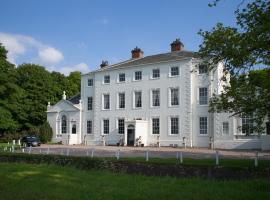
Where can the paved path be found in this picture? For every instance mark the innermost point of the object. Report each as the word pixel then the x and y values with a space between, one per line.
pixel 161 152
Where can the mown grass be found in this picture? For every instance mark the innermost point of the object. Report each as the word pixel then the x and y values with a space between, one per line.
pixel 28 181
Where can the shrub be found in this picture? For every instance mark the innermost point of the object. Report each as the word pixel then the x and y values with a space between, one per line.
pixel 45 133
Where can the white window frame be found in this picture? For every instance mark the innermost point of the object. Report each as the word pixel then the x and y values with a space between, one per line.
pixel 228 128
pixel 134 102
pixel 169 125
pixel 151 98
pixel 88 82
pixel 91 127
pixel 199 100
pixel 199 126
pixel 152 77
pixel 152 126
pixel 250 118
pixel 102 126
pixel 103 102
pixel 118 79
pixel 134 75
pixel 89 103
pixel 104 79
pixel 118 100
pixel 117 125
pixel 170 99
pixel 170 71
pixel 199 73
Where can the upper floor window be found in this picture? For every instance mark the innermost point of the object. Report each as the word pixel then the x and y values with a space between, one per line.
pixel 106 126
pixel 203 125
pixel 247 125
pixel 155 97
pixel 122 77
pixel 64 124
pixel 89 103
pixel 203 96
pixel 155 73
pixel 121 126
pixel 90 82
pixel 89 127
pixel 138 99
pixel 174 96
pixel 174 71
pixel 174 125
pixel 121 100
pixel 106 101
pixel 138 76
pixel 107 79
pixel 225 127
pixel 155 125
pixel 203 69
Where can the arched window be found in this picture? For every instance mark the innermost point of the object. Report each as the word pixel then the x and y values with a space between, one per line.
pixel 64 124
pixel 74 129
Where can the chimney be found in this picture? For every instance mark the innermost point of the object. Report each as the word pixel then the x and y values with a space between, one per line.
pixel 104 63
pixel 136 53
pixel 177 45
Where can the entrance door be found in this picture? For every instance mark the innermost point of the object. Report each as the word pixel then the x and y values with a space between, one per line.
pixel 130 135
pixel 268 128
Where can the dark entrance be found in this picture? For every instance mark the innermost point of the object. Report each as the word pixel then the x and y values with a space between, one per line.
pixel 268 128
pixel 130 135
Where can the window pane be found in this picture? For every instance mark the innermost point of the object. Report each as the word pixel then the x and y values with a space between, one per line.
pixel 202 69
pixel 90 82
pixel 203 96
pixel 174 71
pixel 121 100
pixel 106 101
pixel 174 96
pixel 74 129
pixel 174 125
pixel 90 103
pixel 155 125
pixel 138 99
pixel 203 125
pixel 64 124
pixel 247 125
pixel 138 75
pixel 106 79
pixel 225 128
pixel 122 77
pixel 106 126
pixel 155 98
pixel 89 127
pixel 121 126
pixel 155 73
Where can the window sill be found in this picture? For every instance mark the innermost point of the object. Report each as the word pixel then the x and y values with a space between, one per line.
pixel 174 106
pixel 151 78
pixel 203 135
pixel 106 83
pixel 120 82
pixel 136 80
pixel 154 107
pixel 120 108
pixel 105 109
pixel 170 76
pixel 139 108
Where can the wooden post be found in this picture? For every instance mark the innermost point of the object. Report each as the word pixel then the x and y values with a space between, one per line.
pixel 217 158
pixel 256 159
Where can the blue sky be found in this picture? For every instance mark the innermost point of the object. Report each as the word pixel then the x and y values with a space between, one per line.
pixel 66 35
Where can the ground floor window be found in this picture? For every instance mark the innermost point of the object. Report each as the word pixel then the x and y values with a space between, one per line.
pixel 225 127
pixel 155 125
pixel 121 126
pixel 89 127
pixel 203 125
pixel 174 125
pixel 106 126
pixel 247 125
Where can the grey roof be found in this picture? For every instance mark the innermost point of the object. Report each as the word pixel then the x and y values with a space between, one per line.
pixel 171 56
pixel 75 99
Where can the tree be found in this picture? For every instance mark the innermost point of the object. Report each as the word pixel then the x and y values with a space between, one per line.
pixel 243 50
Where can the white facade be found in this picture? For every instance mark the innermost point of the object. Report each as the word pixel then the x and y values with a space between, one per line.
pixel 191 122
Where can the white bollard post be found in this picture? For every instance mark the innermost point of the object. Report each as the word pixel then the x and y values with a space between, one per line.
pixel 217 158
pixel 92 153
pixel 256 159
pixel 30 149
pixel 181 157
pixel 87 153
pixel 13 142
pixel 62 152
pixel 147 156
pixel 177 155
pixel 19 142
pixel 22 150
pixel 48 150
pixel 117 154
pixel 67 152
pixel 40 151
pixel 12 149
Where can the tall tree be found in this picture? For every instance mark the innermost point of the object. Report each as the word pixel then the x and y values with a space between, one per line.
pixel 242 49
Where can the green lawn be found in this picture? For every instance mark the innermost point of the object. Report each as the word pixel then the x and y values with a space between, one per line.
pixel 25 181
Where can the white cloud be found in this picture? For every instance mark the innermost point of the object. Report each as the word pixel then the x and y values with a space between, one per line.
pixel 50 55
pixel 18 45
pixel 82 67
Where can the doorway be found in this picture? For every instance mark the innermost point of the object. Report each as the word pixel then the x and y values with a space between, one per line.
pixel 130 135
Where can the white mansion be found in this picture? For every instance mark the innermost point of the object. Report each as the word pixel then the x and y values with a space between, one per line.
pixel 157 100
